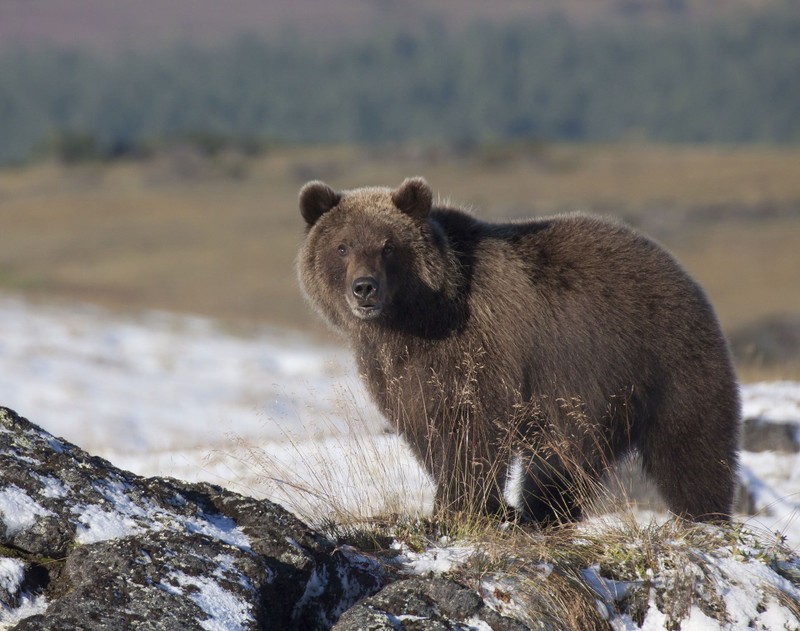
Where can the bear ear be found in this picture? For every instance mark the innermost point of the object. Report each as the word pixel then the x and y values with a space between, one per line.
pixel 414 197
pixel 316 198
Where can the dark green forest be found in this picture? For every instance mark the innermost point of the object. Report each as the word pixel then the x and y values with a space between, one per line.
pixel 729 81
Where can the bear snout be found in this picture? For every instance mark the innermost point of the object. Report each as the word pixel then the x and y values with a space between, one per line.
pixel 366 291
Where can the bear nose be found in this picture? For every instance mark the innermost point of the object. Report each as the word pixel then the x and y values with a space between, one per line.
pixel 365 288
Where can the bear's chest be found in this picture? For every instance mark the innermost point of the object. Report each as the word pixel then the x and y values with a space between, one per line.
pixel 433 380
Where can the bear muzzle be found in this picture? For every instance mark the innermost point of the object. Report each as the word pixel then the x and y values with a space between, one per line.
pixel 366 301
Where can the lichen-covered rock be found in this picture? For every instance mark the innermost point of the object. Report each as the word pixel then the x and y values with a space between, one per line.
pixel 84 545
pixel 424 604
pixel 158 580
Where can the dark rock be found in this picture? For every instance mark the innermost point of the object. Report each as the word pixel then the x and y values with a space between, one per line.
pixel 424 604
pixel 89 546
pixel 745 501
pixel 157 581
pixel 759 435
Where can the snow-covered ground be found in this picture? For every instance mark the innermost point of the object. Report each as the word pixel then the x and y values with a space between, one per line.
pixel 269 414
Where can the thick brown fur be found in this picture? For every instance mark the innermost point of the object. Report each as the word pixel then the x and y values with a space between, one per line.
pixel 574 337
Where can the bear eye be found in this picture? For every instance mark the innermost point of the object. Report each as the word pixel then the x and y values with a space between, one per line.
pixel 388 248
pixel 342 249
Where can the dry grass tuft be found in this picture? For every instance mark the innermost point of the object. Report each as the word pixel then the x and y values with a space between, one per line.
pixel 580 576
pixel 342 473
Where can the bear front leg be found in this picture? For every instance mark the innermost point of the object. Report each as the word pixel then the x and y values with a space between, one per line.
pixel 549 492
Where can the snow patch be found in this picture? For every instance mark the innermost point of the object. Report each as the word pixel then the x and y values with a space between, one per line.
pixel 12 573
pixel 12 576
pixel 748 589
pixel 609 590
pixel 53 488
pixel 123 520
pixel 776 401
pixel 80 371
pixel 218 527
pixel 55 444
pixel 774 484
pixel 739 581
pixel 434 560
pixel 96 524
pixel 19 510
pixel 29 605
pixel 315 587
pixel 476 624
pixel 225 610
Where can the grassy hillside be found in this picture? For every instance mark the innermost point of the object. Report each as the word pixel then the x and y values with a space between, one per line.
pixel 218 235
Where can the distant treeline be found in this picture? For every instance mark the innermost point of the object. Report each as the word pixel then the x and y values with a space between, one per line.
pixel 732 81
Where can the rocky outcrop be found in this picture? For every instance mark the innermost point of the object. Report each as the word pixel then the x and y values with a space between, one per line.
pixel 84 545
pixel 425 604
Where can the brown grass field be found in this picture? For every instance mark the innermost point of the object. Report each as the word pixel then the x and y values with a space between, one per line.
pixel 218 235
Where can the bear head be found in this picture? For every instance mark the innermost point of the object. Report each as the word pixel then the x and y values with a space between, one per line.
pixel 369 253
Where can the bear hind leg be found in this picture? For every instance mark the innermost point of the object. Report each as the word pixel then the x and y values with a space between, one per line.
pixel 696 475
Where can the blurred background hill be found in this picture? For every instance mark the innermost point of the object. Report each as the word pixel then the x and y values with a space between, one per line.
pixel 115 25
pixel 151 151
pixel 120 76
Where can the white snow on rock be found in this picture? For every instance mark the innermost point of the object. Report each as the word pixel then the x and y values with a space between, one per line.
pixel 18 510
pixel 218 527
pixel 435 560
pixel 52 487
pixel 97 525
pixel 29 606
pixel 12 575
pixel 124 518
pixel 225 610
pixel 740 585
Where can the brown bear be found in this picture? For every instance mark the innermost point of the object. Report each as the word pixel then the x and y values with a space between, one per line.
pixel 520 360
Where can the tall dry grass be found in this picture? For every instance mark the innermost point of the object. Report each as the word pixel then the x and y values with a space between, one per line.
pixel 344 471
pixel 458 467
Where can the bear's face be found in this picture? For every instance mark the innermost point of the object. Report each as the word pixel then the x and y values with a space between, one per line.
pixel 366 251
